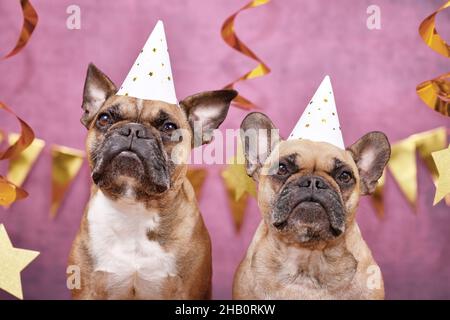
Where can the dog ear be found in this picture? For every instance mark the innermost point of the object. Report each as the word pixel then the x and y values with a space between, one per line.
pixel 97 88
pixel 259 137
pixel 371 154
pixel 205 112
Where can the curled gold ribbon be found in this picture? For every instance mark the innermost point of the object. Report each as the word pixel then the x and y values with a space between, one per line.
pixel 230 37
pixel 30 20
pixel 25 139
pixel 9 192
pixel 429 34
pixel 435 92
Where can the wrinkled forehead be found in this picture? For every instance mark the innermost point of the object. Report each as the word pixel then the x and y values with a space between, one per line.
pixel 310 154
pixel 134 108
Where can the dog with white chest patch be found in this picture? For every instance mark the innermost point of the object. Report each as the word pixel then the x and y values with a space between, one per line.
pixel 142 235
pixel 308 244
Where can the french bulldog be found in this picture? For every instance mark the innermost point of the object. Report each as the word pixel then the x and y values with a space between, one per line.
pixel 308 244
pixel 142 235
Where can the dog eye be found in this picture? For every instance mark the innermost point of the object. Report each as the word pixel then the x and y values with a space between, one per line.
pixel 345 177
pixel 169 126
pixel 282 169
pixel 103 119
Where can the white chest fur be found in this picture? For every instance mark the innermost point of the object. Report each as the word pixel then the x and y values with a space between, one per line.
pixel 120 246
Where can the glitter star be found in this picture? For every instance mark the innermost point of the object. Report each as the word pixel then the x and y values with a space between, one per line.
pixel 237 179
pixel 12 262
pixel 442 159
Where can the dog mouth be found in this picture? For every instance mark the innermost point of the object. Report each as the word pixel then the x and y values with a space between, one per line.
pixel 311 219
pixel 121 160
pixel 128 154
pixel 145 161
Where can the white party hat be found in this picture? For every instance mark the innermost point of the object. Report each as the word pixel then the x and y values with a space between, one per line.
pixel 150 76
pixel 320 121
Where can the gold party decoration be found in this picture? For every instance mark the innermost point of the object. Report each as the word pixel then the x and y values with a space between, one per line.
pixel 430 36
pixel 66 163
pixel 230 37
pixel 9 192
pixel 30 20
pixel 239 186
pixel 25 139
pixel 403 164
pixel 197 178
pixel 377 197
pixel 435 92
pixel 442 161
pixel 20 165
pixel 12 262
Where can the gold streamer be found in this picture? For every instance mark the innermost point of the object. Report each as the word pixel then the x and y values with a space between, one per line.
pixel 66 163
pixel 25 139
pixel 230 37
pixel 403 165
pixel 435 92
pixel 30 20
pixel 9 192
pixel 197 178
pixel 20 166
pixel 239 186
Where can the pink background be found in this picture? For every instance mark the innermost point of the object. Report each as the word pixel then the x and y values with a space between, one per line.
pixel 374 74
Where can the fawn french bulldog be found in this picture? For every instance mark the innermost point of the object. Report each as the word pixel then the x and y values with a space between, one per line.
pixel 308 245
pixel 142 235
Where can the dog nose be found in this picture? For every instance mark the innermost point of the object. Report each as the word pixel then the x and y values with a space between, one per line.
pixel 313 182
pixel 134 130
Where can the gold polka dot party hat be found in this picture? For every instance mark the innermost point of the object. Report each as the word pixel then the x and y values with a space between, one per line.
pixel 150 77
pixel 320 121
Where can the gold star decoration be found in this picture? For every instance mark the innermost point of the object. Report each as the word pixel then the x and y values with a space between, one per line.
pixel 12 262
pixel 239 186
pixel 235 176
pixel 442 160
